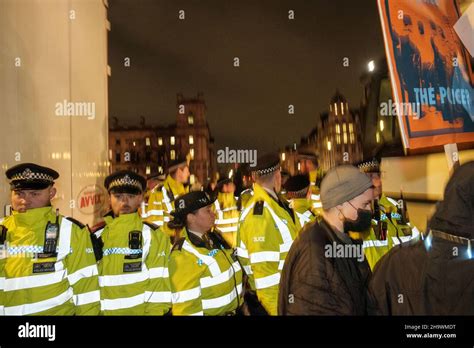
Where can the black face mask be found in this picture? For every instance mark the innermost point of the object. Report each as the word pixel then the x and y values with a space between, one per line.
pixel 361 224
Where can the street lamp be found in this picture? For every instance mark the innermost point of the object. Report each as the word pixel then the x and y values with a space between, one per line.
pixel 371 66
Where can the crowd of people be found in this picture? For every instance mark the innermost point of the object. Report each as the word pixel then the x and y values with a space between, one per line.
pixel 308 244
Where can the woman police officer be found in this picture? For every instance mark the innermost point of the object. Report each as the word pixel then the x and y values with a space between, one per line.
pixel 206 279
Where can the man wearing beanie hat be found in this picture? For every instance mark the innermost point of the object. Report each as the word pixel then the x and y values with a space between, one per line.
pixel 132 255
pixel 266 231
pixel 298 194
pixel 161 200
pixel 433 276
pixel 47 265
pixel 390 225
pixel 325 272
pixel 225 207
pixel 206 279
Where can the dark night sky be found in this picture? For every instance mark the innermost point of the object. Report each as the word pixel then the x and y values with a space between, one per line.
pixel 282 62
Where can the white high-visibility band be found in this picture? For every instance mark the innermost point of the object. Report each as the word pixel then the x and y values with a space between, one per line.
pixel 395 240
pixel 158 272
pixel 186 295
pixel 34 281
pixel 284 231
pixel 37 307
pixel 122 279
pixel 415 232
pixel 246 211
pixel 281 264
pixel 317 205
pixel 391 200
pixel 86 298
pixel 242 253
pixel 313 184
pixel 221 278
pixel 201 313
pixel 85 272
pixel 228 229
pixel 2 283
pixel 144 215
pixel 64 238
pixel 303 218
pixel 248 269
pixel 146 234
pixel 268 281
pixel 217 205
pixel 98 233
pixel 2 311
pixel 368 244
pixel 380 243
pixel 210 261
pixel 227 221
pixel 121 303
pixel 315 197
pixel 166 219
pixel 155 212
pixel 230 208
pixel 156 203
pixel 222 300
pixel 158 296
pixel 166 200
pixel 265 256
pixel 405 239
pixel 157 223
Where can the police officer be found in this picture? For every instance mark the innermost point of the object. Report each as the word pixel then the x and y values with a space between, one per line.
pixel 132 255
pixel 225 207
pixel 265 233
pixel 298 194
pixel 47 266
pixel 206 279
pixel 246 191
pixel 152 181
pixel 390 225
pixel 309 165
pixel 161 201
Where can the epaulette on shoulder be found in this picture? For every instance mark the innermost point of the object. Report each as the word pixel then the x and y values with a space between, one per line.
pixel 151 225
pixel 258 208
pixel 178 244
pixel 78 223
pixel 97 227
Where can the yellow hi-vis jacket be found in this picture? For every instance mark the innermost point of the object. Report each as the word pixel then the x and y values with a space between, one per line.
pixel 35 283
pixel 316 205
pixel 205 279
pixel 302 210
pixel 133 281
pixel 244 198
pixel 227 216
pixel 161 203
pixel 397 233
pixel 264 237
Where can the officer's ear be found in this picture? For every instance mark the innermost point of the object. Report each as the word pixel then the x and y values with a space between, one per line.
pixel 52 192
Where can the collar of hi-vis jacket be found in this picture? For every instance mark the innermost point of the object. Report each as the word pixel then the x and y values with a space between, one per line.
pixel 126 223
pixel 173 188
pixel 30 219
pixel 300 205
pixel 34 216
